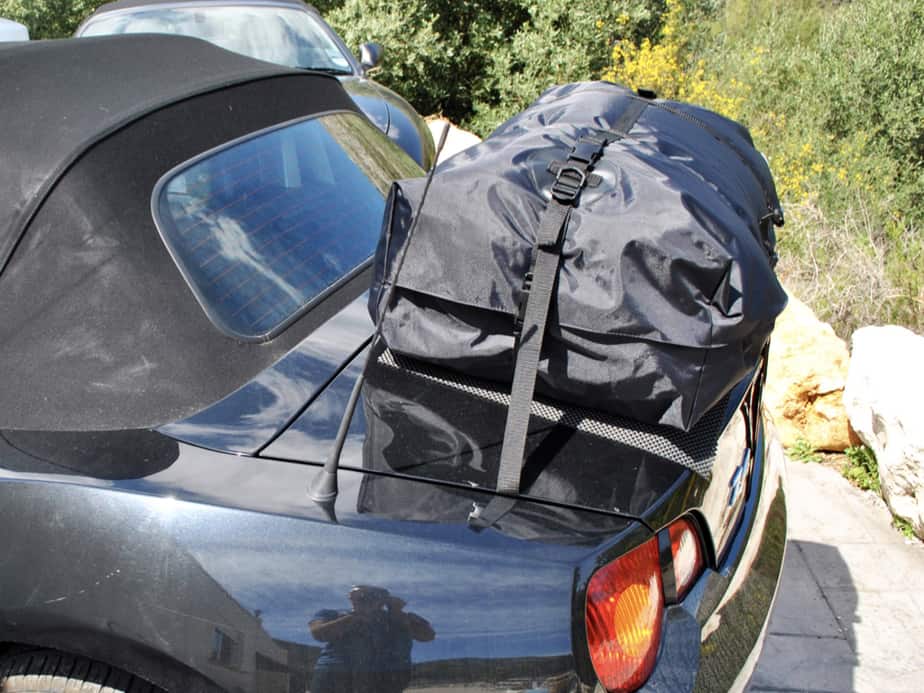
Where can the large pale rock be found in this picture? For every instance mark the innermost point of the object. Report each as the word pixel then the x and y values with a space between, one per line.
pixel 456 141
pixel 805 380
pixel 883 400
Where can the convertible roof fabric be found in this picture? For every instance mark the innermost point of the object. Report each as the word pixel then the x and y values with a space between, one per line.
pixel 62 96
pixel 98 328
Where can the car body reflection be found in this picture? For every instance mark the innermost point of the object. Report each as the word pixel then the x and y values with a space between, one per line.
pixel 368 647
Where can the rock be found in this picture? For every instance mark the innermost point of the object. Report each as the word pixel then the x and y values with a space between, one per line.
pixel 805 380
pixel 457 139
pixel 883 400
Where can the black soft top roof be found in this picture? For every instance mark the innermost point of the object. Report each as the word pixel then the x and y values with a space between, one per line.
pixel 98 328
pixel 130 4
pixel 62 96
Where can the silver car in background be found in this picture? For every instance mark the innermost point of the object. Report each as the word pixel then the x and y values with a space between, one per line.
pixel 12 31
pixel 285 32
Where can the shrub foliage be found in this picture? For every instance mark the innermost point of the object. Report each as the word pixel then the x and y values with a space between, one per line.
pixel 834 99
pixel 480 61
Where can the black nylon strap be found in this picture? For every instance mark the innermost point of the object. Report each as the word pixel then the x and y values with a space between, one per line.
pixel 626 121
pixel 544 272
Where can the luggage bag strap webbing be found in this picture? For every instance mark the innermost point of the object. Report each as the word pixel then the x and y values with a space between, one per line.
pixel 571 177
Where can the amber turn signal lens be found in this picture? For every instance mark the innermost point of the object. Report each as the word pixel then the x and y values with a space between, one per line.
pixel 688 557
pixel 625 604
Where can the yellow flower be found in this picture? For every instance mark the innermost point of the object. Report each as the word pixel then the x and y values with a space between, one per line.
pixel 663 67
pixel 599 23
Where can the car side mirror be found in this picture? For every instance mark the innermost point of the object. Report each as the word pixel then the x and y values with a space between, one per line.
pixel 370 55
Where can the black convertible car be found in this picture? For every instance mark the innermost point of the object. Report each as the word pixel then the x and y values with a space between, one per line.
pixel 286 32
pixel 185 242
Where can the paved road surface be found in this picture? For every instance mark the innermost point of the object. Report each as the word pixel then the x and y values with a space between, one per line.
pixel 849 615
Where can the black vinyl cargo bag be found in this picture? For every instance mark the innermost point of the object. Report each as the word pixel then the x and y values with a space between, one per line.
pixel 613 249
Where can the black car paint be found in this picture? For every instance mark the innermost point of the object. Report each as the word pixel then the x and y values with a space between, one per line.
pixel 291 412
pixel 245 420
pixel 394 116
pixel 221 543
pixel 215 541
pixel 226 543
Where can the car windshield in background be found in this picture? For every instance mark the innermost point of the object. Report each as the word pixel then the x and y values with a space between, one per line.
pixel 265 225
pixel 276 34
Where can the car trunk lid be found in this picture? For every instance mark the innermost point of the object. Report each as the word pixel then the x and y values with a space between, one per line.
pixel 417 422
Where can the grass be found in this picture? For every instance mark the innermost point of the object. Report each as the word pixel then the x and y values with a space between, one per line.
pixel 861 469
pixel 844 138
pixel 903 526
pixel 803 451
pixel 850 269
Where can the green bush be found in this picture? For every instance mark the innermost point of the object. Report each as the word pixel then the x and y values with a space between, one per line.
pixel 479 62
pixel 862 470
pixel 879 92
pixel 560 41
pixel 436 53
pixel 832 94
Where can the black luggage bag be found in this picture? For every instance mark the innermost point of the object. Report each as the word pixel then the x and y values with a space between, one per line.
pixel 613 250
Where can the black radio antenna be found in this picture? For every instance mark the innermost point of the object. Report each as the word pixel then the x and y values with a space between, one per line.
pixel 323 489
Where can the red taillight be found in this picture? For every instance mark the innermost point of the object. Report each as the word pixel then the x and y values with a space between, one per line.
pixel 688 558
pixel 625 603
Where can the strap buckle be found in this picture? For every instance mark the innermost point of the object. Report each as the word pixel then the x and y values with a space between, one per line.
pixel 593 180
pixel 572 175
pixel 486 515
pixel 568 183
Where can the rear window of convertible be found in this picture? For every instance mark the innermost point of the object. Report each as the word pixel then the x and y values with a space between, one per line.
pixel 264 226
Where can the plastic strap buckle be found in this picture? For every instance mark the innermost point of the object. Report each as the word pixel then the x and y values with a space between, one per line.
pixel 568 183
pixel 592 179
pixel 572 175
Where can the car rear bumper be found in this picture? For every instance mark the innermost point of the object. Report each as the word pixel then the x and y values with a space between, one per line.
pixel 711 641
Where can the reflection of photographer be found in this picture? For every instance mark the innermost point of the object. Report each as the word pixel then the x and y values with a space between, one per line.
pixel 368 648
